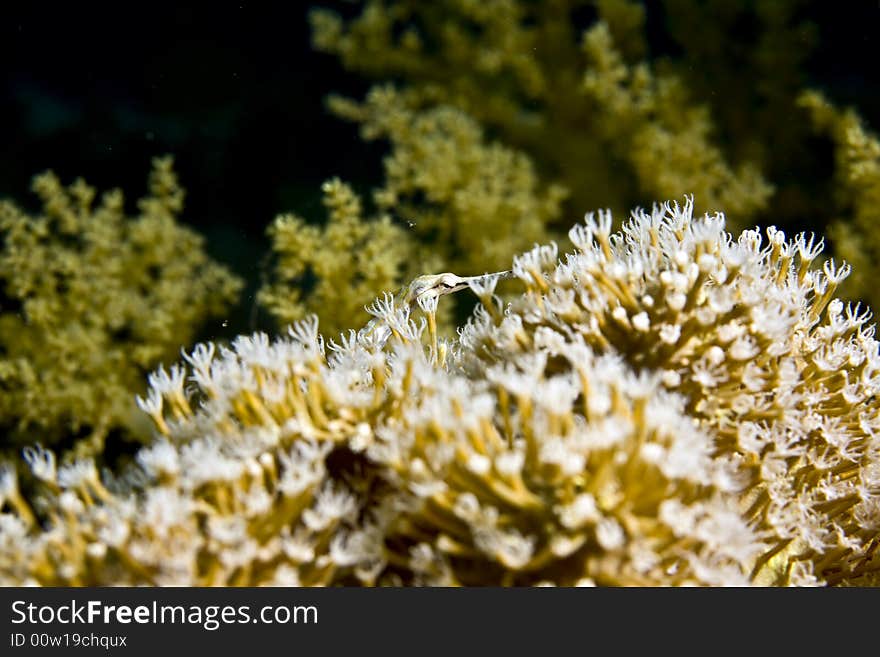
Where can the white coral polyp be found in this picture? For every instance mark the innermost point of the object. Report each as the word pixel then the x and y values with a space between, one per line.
pixel 669 405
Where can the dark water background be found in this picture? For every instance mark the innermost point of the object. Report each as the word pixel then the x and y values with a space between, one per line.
pixel 235 92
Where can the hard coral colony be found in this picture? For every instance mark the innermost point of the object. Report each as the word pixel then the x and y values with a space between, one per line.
pixel 666 405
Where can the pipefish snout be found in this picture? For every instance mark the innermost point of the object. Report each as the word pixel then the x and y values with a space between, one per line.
pixel 424 291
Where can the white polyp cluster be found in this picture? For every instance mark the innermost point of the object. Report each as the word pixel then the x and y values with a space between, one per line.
pixel 668 404
pixel 751 336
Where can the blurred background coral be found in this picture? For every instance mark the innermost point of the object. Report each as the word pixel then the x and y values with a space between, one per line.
pixel 236 94
pixel 171 174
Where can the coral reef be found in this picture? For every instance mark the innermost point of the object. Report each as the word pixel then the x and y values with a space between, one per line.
pixel 667 405
pixel 574 104
pixel 461 203
pixel 620 112
pixel 93 300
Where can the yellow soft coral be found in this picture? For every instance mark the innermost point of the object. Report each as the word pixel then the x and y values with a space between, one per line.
pixel 856 232
pixel 337 269
pixel 92 301
pixel 650 122
pixel 626 135
pixel 472 201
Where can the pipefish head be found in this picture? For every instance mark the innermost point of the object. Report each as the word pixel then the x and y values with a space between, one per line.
pixel 435 285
